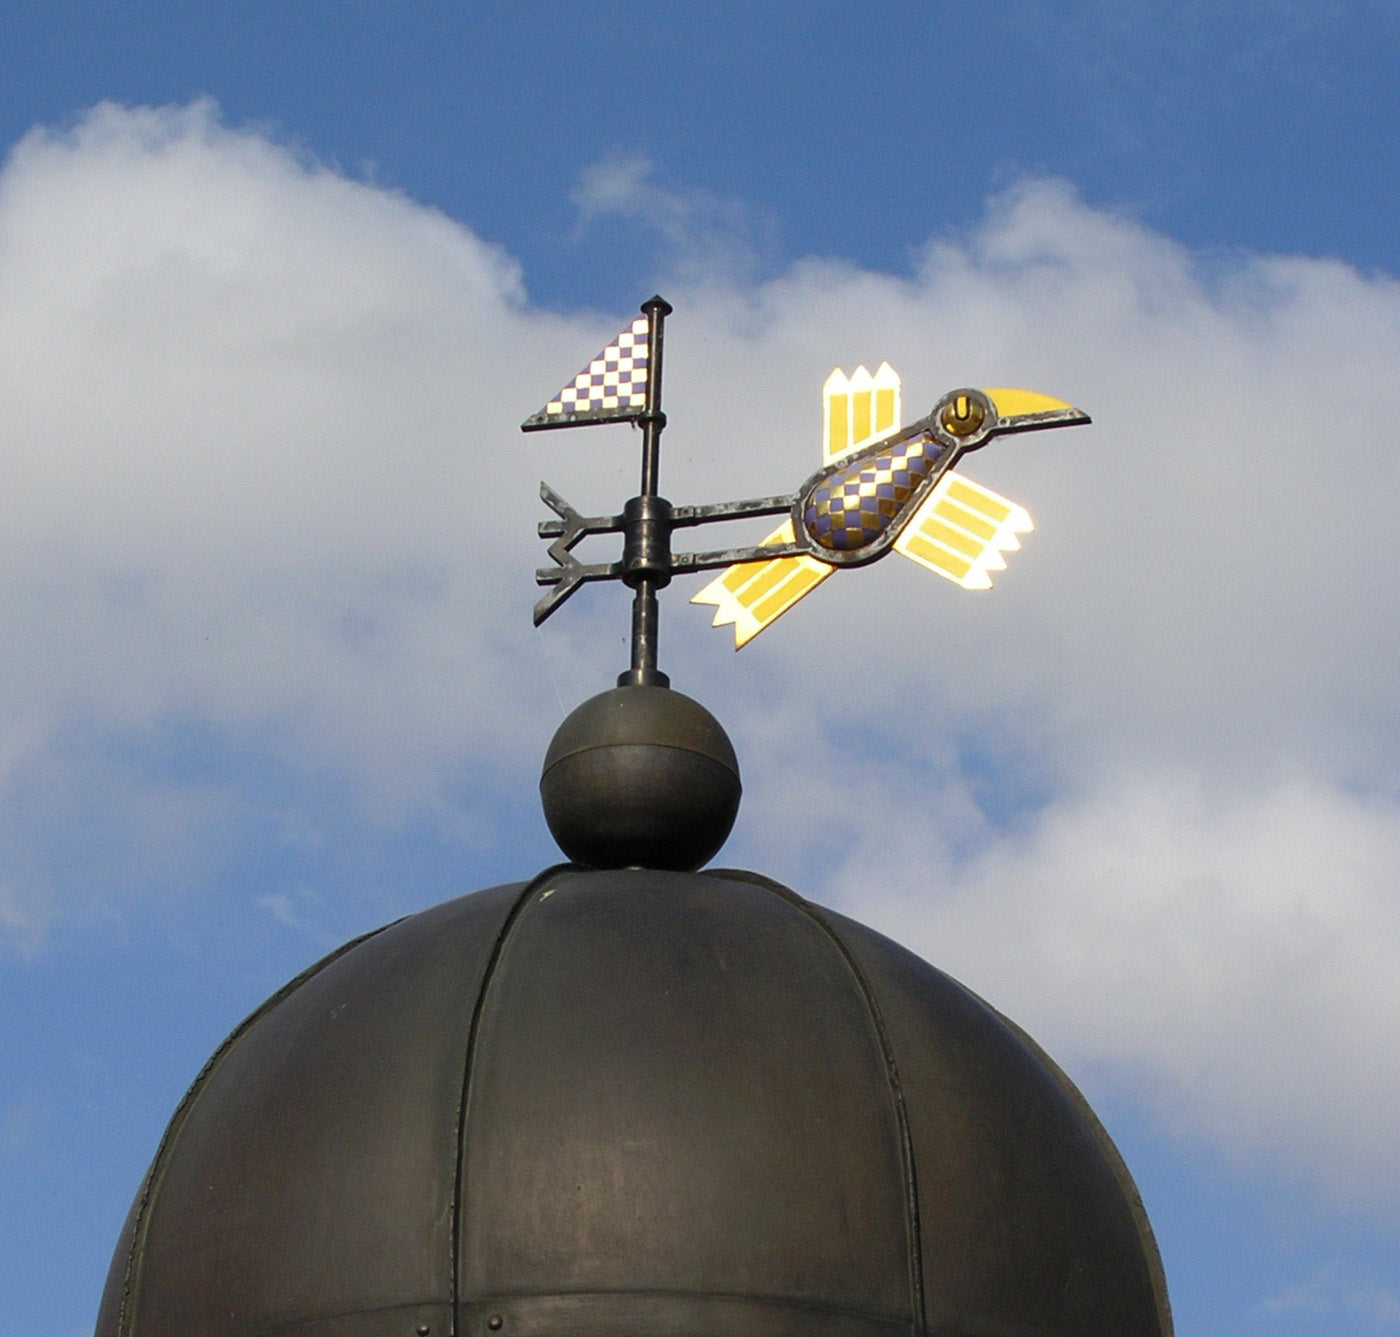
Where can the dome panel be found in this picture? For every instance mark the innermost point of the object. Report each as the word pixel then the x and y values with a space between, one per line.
pixel 1028 1219
pixel 677 1088
pixel 285 1186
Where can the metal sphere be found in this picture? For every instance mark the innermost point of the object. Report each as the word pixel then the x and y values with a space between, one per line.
pixel 643 777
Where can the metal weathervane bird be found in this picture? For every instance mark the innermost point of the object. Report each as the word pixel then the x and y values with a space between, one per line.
pixel 882 486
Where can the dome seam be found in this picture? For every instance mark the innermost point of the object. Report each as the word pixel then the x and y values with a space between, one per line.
pixel 469 1064
pixel 913 1228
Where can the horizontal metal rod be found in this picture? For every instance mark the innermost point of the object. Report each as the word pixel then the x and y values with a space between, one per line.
pixel 576 572
pixel 681 562
pixel 566 579
pixel 571 522
pixel 571 527
pixel 681 517
pixel 731 510
pixel 581 525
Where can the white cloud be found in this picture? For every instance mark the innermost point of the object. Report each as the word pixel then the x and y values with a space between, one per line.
pixel 1238 954
pixel 19 1123
pixel 704 236
pixel 299 911
pixel 22 923
pixel 1332 1293
pixel 265 477
pixel 251 413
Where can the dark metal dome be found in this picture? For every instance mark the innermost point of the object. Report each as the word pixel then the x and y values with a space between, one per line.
pixel 633 1104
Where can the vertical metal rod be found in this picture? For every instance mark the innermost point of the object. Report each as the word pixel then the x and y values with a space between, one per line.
pixel 645 617
pixel 656 310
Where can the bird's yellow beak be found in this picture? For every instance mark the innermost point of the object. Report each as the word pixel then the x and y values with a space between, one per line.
pixel 1027 410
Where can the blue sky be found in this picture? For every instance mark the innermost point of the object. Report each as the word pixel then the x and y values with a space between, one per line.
pixel 277 284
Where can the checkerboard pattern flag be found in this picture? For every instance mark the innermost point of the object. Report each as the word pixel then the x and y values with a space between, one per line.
pixel 611 388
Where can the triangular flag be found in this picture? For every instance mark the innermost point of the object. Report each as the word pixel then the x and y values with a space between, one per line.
pixel 611 388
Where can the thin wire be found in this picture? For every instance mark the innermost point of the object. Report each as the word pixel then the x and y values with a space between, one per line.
pixel 553 677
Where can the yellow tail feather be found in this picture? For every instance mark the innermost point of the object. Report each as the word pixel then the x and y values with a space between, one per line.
pixel 753 594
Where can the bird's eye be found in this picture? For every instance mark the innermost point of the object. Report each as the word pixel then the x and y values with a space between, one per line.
pixel 962 415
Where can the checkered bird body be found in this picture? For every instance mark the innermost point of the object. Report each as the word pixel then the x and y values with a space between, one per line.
pixel 853 510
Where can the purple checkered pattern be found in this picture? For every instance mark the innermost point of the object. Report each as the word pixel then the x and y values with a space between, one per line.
pixel 613 383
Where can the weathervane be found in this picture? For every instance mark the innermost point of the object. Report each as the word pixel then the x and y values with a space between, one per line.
pixel 882 486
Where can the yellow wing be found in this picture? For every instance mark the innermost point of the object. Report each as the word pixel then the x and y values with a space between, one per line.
pixel 751 595
pixel 961 531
